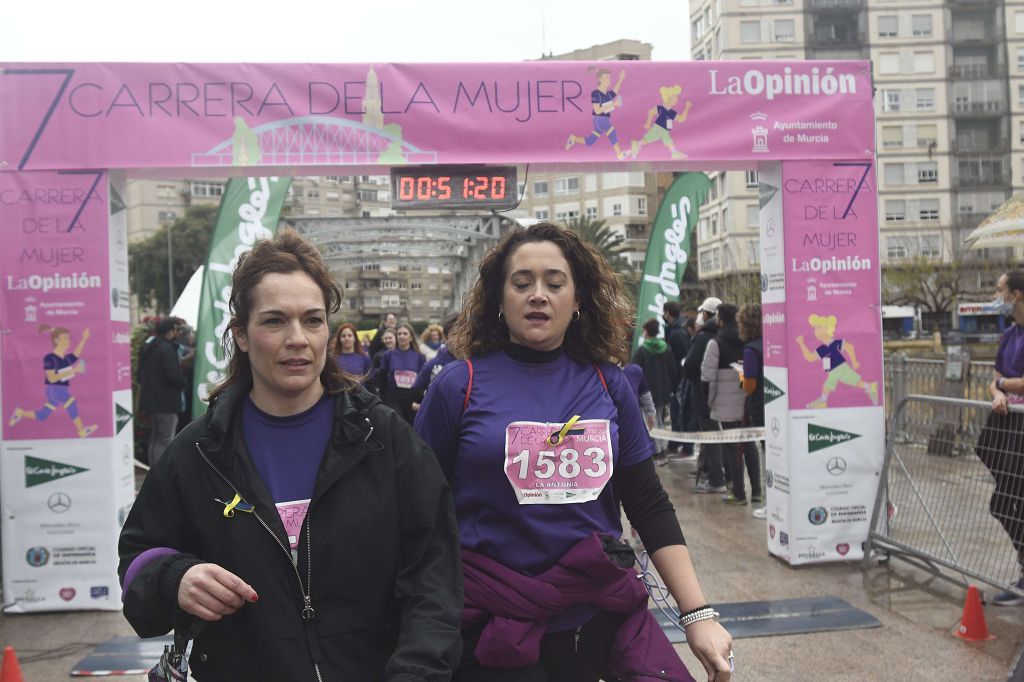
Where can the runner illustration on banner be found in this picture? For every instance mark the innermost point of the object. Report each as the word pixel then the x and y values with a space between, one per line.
pixel 660 120
pixel 838 359
pixel 604 101
pixel 59 366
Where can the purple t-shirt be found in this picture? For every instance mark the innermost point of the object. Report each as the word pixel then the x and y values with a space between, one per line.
pixel 470 446
pixel 602 98
pixel 54 362
pixel 635 376
pixel 402 366
pixel 287 452
pixel 832 352
pixel 432 368
pixel 1010 356
pixel 356 364
pixel 751 364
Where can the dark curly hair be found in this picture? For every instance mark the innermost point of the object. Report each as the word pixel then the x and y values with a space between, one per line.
pixel 599 335
pixel 287 252
pixel 749 321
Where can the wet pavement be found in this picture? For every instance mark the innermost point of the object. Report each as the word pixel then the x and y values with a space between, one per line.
pixel 917 611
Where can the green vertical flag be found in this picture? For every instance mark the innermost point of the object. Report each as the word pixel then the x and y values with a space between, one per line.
pixel 249 210
pixel 669 247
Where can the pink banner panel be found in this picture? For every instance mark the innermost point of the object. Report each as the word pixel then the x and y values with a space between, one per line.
pixel 833 284
pixel 57 364
pixel 73 116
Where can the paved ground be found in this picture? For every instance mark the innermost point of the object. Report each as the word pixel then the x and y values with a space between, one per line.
pixel 914 642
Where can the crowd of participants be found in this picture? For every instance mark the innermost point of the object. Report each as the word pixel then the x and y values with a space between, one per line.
pixel 304 529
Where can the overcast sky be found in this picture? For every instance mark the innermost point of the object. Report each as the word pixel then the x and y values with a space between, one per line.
pixel 345 31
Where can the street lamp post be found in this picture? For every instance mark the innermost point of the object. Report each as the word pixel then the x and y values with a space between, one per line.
pixel 170 269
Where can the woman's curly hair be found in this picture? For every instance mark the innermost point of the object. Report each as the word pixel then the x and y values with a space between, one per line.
pixel 599 335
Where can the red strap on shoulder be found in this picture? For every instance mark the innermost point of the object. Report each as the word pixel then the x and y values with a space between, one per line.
pixel 469 386
pixel 600 375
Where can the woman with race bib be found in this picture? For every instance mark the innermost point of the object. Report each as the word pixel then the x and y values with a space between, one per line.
pixel 540 435
pixel 398 369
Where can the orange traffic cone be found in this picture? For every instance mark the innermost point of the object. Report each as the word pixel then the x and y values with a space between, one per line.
pixel 972 628
pixel 10 671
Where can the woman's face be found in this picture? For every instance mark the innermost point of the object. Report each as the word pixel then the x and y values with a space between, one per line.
pixel 348 340
pixel 435 336
pixel 604 81
pixel 404 338
pixel 286 340
pixel 388 340
pixel 390 321
pixel 538 296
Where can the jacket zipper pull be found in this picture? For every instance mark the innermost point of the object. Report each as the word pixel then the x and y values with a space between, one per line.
pixel 576 640
pixel 308 612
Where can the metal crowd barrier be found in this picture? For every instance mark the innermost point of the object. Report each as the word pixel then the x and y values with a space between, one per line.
pixel 935 507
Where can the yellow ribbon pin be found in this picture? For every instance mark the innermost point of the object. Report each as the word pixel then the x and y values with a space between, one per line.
pixel 229 508
pixel 557 438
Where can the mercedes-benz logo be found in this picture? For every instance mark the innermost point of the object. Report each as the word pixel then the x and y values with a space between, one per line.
pixel 836 466
pixel 776 426
pixel 58 503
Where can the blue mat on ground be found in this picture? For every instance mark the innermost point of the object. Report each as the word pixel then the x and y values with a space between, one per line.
pixel 122 656
pixel 781 617
pixel 134 656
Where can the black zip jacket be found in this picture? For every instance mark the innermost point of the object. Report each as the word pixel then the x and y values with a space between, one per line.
pixel 378 555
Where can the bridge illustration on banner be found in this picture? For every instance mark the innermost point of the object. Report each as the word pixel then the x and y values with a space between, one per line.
pixel 313 140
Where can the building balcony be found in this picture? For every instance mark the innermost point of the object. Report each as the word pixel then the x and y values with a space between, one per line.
pixel 966 222
pixel 971 4
pixel 964 37
pixel 981 180
pixel 971 146
pixel 978 108
pixel 977 71
pixel 821 39
pixel 370 274
pixel 832 5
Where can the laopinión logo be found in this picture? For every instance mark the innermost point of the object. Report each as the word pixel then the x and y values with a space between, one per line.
pixel 821 437
pixel 817 515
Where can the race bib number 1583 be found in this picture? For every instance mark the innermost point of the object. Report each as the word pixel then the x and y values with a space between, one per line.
pixel 575 470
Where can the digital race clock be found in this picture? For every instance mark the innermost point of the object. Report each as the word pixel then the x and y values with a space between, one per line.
pixel 437 187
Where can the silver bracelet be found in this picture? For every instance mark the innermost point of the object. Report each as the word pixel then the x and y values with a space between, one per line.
pixel 697 616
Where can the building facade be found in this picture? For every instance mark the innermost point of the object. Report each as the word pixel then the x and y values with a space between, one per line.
pixel 949 104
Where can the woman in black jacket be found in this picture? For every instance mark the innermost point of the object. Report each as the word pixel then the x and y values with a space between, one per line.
pixel 300 530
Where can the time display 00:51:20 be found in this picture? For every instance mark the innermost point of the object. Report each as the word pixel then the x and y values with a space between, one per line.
pixel 428 187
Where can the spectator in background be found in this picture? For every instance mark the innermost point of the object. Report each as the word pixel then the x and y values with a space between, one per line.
pixel 389 321
pixel 186 343
pixel 431 340
pixel 635 377
pixel 707 326
pixel 433 367
pixel 725 396
pixel 388 339
pixel 160 386
pixel 749 323
pixel 660 370
pixel 679 341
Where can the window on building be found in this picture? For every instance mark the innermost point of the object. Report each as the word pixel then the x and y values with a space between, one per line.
pixel 927 172
pixel 889 63
pixel 367 195
pixel 895 210
pixel 897 247
pixel 924 62
pixel 927 134
pixel 714 225
pixel 567 185
pixel 641 206
pixel 784 30
pixel 165 191
pixel 751 179
pixel 540 215
pixel 925 99
pixel 921 25
pixel 931 246
pixel 928 209
pixel 750 31
pixel 1020 95
pixel 891 100
pixel 616 209
pixel 752 217
pixel 892 137
pixel 894 174
pixel 540 189
pixel 331 196
pixel 592 212
pixel 366 214
pixel 207 189
pixel 166 216
pixel 1018 22
pixel 888 26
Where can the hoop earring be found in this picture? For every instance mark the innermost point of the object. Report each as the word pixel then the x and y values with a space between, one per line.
pixel 501 316
pixel 576 315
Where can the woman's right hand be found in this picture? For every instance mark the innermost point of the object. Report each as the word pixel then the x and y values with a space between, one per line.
pixel 1000 404
pixel 210 592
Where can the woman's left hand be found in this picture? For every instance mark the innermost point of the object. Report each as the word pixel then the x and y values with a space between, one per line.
pixel 712 645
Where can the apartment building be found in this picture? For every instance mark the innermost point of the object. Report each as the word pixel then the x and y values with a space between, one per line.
pixel 949 104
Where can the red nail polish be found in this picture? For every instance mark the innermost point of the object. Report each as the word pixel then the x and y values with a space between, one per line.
pixel 255 598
